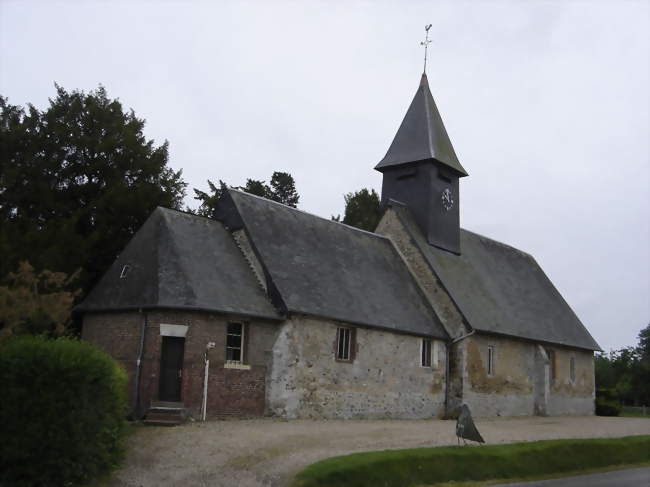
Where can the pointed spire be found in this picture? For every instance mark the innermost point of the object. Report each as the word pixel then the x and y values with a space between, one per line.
pixel 421 135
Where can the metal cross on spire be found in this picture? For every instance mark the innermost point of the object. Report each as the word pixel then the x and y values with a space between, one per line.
pixel 426 43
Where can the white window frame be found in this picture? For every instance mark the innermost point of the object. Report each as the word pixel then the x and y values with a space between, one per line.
pixel 343 353
pixel 242 352
pixel 490 360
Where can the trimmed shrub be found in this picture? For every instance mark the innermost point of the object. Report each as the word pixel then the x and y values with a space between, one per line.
pixel 62 410
pixel 607 402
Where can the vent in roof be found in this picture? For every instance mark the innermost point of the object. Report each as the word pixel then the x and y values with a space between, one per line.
pixel 125 271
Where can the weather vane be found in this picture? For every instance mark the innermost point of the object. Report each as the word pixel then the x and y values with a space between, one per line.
pixel 426 43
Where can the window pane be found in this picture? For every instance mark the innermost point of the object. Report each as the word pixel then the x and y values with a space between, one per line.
pixel 234 342
pixel 343 345
pixel 490 360
pixel 234 328
pixel 426 352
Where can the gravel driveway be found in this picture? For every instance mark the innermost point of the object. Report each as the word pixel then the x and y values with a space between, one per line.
pixel 267 452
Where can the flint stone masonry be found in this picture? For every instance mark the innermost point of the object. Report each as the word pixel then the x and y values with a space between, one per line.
pixel 385 380
pixel 515 388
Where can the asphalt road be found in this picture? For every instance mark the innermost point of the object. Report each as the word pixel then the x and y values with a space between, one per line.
pixel 619 478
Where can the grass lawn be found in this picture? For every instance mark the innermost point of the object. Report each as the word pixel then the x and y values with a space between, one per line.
pixel 480 464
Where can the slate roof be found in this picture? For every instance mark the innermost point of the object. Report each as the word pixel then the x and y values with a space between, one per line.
pixel 181 261
pixel 422 135
pixel 500 289
pixel 324 268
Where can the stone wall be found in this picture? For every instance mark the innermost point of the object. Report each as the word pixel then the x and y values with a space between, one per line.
pixel 385 379
pixel 508 391
pixel 231 391
pixel 519 384
pixel 576 397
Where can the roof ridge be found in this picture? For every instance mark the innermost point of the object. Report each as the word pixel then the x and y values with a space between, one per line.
pixel 187 213
pixel 499 242
pixel 310 214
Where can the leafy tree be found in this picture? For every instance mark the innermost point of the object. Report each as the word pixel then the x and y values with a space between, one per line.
pixel 627 371
pixel 256 187
pixel 35 303
pixel 282 189
pixel 76 181
pixel 362 209
pixel 209 200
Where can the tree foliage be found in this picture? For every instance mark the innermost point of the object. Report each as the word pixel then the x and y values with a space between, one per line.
pixel 627 371
pixel 362 209
pixel 76 181
pixel 208 201
pixel 35 303
pixel 281 189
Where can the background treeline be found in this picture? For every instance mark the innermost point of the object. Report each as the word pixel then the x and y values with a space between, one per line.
pixel 77 180
pixel 624 375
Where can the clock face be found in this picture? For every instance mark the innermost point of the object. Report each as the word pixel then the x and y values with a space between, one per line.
pixel 447 199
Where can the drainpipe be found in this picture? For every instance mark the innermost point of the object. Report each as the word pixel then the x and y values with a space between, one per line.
pixel 138 366
pixel 206 358
pixel 448 366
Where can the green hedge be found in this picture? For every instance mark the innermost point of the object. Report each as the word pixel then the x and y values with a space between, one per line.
pixel 404 468
pixel 607 402
pixel 62 410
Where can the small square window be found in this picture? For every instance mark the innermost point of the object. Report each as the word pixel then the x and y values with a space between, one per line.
pixel 235 343
pixel 345 344
pixel 490 361
pixel 425 352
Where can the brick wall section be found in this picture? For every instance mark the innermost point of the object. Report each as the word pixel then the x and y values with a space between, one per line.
pixel 231 392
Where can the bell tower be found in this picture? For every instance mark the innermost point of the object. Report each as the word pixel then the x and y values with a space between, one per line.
pixel 421 170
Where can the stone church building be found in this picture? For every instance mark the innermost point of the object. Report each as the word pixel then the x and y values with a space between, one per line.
pixel 303 317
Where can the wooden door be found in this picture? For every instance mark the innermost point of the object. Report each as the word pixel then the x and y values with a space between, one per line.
pixel 171 368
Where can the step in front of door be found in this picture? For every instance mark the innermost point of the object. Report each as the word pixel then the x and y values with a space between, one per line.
pixel 165 414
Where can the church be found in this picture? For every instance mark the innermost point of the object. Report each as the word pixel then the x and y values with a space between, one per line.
pixel 266 310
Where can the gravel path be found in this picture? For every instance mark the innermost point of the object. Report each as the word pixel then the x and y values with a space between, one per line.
pixel 268 452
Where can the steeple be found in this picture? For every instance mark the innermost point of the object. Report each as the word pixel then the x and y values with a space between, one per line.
pixel 421 171
pixel 422 135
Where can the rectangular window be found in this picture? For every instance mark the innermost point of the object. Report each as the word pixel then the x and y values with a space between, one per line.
pixel 235 343
pixel 344 344
pixel 551 364
pixel 572 369
pixel 426 352
pixel 490 361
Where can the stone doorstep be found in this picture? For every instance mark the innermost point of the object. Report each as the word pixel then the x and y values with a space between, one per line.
pixel 163 413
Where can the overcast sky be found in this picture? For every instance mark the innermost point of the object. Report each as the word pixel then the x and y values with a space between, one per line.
pixel 546 104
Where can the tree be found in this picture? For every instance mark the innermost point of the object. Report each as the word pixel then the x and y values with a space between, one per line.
pixel 627 371
pixel 35 303
pixel 362 209
pixel 282 189
pixel 76 181
pixel 209 200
